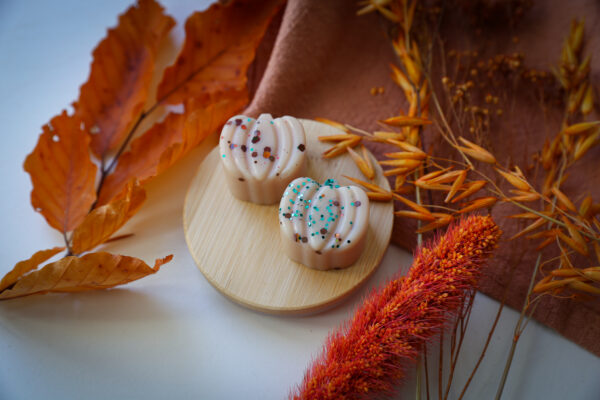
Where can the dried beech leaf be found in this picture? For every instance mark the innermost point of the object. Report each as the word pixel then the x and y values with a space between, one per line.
pixel 163 144
pixel 99 225
pixel 219 46
pixel 73 274
pixel 23 267
pixel 62 173
pixel 113 97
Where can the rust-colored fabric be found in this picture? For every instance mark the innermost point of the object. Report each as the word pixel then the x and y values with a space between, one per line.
pixel 321 61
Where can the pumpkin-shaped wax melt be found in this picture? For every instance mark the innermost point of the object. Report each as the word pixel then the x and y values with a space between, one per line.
pixel 323 226
pixel 261 156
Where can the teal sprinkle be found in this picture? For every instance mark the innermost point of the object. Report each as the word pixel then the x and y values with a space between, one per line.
pixel 223 155
pixel 272 122
pixel 350 222
pixel 291 201
pixel 351 204
pixel 249 119
pixel 306 207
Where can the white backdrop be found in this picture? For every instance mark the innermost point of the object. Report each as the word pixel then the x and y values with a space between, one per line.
pixel 172 335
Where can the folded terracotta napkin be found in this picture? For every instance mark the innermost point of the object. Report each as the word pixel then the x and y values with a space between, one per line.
pixel 321 60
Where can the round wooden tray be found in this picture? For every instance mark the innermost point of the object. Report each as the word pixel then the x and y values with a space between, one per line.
pixel 236 244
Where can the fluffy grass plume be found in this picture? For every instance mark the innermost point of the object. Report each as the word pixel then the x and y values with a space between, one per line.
pixel 369 354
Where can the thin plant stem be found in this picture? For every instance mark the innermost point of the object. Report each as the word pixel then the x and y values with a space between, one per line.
pixel 418 385
pixel 426 370
pixel 517 331
pixel 463 320
pixel 441 365
pixel 482 355
pixel 105 171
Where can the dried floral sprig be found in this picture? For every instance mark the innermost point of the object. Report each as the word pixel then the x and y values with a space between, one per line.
pixel 370 354
pixel 557 220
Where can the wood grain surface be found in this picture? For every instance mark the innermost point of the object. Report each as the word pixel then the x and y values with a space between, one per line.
pixel 236 244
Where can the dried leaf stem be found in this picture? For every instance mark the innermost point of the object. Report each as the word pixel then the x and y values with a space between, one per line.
pixel 104 172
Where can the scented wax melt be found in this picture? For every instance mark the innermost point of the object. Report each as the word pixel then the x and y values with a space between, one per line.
pixel 261 156
pixel 323 226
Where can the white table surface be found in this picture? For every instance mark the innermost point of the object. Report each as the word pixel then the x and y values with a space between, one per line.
pixel 171 335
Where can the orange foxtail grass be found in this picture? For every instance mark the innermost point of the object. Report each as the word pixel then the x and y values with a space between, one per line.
pixel 369 355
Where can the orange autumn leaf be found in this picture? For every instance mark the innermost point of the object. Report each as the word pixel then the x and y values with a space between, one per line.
pixel 73 274
pixel 23 267
pixel 220 45
pixel 99 225
pixel 166 142
pixel 62 173
pixel 113 97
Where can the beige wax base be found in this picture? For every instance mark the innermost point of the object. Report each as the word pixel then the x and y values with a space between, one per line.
pixel 299 253
pixel 264 192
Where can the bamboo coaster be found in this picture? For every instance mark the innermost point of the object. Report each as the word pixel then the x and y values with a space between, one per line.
pixel 236 244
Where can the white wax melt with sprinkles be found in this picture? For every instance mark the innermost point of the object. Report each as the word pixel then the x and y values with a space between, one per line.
pixel 260 157
pixel 323 226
